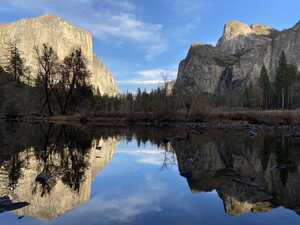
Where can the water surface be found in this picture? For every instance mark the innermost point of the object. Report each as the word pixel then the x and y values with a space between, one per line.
pixel 53 174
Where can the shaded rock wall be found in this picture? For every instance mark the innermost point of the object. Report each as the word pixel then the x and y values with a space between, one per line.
pixel 244 49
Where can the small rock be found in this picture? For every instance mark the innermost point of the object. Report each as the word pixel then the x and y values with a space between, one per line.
pixel 253 132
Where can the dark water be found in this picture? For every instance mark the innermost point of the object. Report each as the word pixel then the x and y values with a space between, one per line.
pixel 87 175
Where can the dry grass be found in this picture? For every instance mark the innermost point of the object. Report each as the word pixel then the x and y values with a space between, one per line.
pixel 272 118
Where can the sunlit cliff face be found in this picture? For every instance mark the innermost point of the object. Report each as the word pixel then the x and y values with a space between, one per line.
pixel 63 37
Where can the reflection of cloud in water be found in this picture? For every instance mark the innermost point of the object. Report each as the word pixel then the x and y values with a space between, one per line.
pixel 151 161
pixel 150 156
pixel 126 205
pixel 125 209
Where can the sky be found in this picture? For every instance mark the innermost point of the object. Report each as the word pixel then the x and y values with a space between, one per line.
pixel 142 41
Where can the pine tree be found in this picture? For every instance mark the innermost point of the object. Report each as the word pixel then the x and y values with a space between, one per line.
pixel 266 88
pixel 281 82
pixel 247 96
pixel 285 77
pixel 292 72
pixel 15 63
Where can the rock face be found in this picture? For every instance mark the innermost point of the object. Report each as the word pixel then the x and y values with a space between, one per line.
pixel 242 49
pixel 63 37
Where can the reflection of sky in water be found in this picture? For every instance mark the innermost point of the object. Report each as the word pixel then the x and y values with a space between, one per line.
pixel 135 188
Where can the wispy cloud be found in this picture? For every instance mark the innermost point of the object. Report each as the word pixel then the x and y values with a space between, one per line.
pixel 152 76
pixel 113 21
pixel 127 27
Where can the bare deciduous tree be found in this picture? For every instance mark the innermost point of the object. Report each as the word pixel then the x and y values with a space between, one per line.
pixel 47 73
pixel 74 76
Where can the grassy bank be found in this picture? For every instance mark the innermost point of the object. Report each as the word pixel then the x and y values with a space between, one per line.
pixel 242 118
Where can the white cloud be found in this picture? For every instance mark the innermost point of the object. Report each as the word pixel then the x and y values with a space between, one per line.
pixel 152 76
pixel 109 20
pixel 158 74
pixel 140 82
pixel 155 161
pixel 126 26
pixel 155 157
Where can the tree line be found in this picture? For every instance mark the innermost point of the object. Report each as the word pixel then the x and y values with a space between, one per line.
pixel 64 87
pixel 283 92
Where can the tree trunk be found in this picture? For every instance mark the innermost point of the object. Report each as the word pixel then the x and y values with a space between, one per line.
pixel 282 99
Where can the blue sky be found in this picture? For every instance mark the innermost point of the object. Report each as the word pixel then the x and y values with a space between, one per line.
pixel 141 40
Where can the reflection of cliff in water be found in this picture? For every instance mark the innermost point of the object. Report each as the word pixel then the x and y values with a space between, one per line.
pixel 69 158
pixel 249 174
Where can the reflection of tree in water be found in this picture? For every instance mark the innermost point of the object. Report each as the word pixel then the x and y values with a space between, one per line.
pixel 169 159
pixel 63 154
pixel 10 157
pixel 74 163
pixel 154 136
pixel 282 157
pixel 15 170
pixel 283 148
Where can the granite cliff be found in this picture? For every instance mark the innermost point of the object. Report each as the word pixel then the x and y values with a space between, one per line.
pixel 63 37
pixel 237 58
